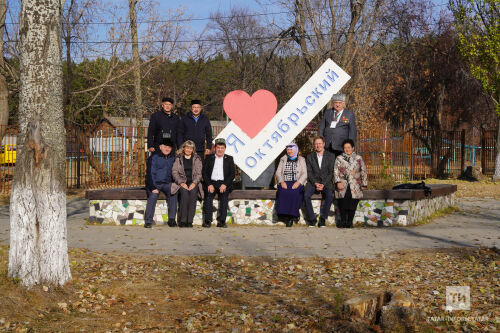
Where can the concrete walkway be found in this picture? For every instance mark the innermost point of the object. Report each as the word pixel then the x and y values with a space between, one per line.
pixel 476 224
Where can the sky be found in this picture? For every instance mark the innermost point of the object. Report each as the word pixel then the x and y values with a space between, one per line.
pixel 201 9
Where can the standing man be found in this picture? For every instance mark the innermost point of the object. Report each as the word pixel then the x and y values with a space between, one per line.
pixel 218 174
pixel 159 178
pixel 337 125
pixel 320 165
pixel 195 126
pixel 162 125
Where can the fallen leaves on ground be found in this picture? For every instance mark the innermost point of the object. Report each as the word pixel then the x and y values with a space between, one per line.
pixel 122 292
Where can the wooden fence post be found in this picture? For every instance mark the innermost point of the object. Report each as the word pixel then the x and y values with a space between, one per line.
pixel 78 158
pixel 462 151
pixel 483 150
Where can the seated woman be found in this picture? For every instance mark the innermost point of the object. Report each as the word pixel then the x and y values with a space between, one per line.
pixel 291 176
pixel 186 173
pixel 350 179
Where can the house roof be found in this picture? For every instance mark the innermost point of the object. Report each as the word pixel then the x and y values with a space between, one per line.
pixel 125 121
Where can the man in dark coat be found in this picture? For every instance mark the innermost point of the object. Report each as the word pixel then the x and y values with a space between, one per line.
pixel 163 124
pixel 218 175
pixel 320 164
pixel 159 178
pixel 196 126
pixel 337 125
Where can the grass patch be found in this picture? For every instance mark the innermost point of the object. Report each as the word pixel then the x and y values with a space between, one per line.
pixel 438 213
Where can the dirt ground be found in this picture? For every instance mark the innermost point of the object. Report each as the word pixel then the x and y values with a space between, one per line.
pixel 132 293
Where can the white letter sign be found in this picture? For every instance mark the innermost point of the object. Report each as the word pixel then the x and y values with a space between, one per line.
pixel 253 155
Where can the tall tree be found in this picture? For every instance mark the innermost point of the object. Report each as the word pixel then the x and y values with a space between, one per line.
pixel 38 242
pixel 4 91
pixel 478 30
pixel 138 108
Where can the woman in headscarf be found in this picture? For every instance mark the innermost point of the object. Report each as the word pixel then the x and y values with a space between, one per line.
pixel 291 176
pixel 350 179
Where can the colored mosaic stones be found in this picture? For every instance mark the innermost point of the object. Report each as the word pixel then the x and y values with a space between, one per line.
pixel 388 212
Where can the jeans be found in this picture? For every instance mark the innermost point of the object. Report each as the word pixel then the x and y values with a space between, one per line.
pixel 152 198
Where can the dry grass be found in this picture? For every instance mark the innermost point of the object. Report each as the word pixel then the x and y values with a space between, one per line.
pixel 478 189
pixel 119 292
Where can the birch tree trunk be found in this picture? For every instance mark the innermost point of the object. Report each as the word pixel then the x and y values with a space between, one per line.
pixel 38 244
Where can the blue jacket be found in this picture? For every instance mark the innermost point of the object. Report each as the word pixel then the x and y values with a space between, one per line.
pixel 197 131
pixel 159 170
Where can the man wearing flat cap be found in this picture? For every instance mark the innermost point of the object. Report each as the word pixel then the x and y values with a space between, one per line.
pixel 218 175
pixel 337 125
pixel 195 126
pixel 163 124
pixel 159 179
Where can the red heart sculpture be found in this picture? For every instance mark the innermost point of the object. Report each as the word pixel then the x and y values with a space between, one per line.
pixel 251 114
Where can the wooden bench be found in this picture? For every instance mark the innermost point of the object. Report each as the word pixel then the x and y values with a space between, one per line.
pixel 126 206
pixel 139 193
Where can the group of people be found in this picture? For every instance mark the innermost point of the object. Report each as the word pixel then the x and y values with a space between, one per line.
pixel 190 172
pixel 178 173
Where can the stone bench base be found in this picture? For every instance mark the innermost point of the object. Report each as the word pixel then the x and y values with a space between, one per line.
pixel 370 212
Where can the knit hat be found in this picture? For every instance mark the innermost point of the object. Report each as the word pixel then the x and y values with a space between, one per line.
pixel 167 99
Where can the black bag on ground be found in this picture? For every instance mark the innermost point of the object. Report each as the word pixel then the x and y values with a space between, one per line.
pixel 417 186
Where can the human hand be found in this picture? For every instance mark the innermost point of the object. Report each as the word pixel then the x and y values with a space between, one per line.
pixel 295 185
pixel 283 185
pixel 340 187
pixel 152 149
pixel 211 188
pixel 193 185
pixel 207 151
pixel 184 186
pixel 155 191
pixel 222 188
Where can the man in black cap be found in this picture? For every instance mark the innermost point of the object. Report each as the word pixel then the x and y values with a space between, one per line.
pixel 163 124
pixel 218 174
pixel 196 126
pixel 159 178
pixel 337 125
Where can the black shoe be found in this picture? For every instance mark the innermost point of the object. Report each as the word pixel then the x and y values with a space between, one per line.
pixel 206 224
pixel 321 223
pixel 221 225
pixel 148 224
pixel 311 223
pixel 189 225
pixel 171 223
pixel 289 223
